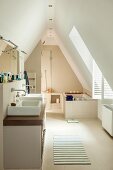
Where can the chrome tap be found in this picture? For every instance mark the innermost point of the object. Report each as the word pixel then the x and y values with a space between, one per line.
pixel 13 89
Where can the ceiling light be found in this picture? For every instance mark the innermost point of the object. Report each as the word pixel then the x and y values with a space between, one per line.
pixel 50 5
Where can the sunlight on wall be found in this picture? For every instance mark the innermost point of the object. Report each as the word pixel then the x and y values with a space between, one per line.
pixel 81 48
pixel 101 88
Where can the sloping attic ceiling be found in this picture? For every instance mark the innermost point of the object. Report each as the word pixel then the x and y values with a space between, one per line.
pixel 94 21
pixel 23 22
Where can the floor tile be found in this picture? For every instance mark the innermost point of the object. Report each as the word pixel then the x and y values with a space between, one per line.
pixel 98 143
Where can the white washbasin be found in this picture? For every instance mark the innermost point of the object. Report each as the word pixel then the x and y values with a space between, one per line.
pixel 32 97
pixel 29 103
pixel 25 108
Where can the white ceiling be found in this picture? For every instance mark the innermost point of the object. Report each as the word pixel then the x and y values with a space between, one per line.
pixel 49 38
pixel 94 21
pixel 25 22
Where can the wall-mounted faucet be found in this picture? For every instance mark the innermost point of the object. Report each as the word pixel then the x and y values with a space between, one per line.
pixel 13 89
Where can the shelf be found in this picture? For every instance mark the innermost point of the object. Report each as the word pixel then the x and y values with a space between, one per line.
pixel 55 98
pixel 54 102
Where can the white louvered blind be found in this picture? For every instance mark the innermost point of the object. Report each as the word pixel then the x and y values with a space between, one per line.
pixel 97 82
pixel 108 92
pixel 101 88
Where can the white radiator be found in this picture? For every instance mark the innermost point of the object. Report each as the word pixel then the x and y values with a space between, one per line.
pixel 107 119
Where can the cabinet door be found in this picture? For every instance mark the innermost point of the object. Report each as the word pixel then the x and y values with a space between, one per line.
pixel 22 147
pixel 107 120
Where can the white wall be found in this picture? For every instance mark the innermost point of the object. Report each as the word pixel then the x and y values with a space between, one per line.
pixel 57 71
pixel 93 20
pixel 33 64
pixel 74 66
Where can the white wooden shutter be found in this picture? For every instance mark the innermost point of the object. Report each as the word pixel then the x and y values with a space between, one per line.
pixel 108 92
pixel 97 82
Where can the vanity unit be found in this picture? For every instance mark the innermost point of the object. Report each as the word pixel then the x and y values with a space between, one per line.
pixel 6 97
pixel 24 141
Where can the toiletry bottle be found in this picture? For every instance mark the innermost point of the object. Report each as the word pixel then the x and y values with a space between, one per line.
pixel 8 77
pixel 5 78
pixel 12 77
pixel 1 79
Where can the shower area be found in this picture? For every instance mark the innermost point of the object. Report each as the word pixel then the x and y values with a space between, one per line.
pixel 54 98
pixel 57 77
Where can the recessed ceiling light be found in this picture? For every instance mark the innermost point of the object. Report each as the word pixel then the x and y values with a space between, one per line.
pixel 50 5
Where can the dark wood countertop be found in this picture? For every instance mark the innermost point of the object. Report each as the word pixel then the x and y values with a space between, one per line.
pixel 25 120
pixel 69 93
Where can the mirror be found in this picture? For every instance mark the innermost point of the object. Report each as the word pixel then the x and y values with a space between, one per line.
pixel 10 59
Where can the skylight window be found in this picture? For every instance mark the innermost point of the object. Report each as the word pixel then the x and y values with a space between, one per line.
pixel 101 88
pixel 97 82
pixel 81 48
pixel 108 92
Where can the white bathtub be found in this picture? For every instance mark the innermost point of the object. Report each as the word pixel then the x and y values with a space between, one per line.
pixel 81 109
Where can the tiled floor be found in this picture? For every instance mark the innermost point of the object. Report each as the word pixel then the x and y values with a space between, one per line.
pixel 98 144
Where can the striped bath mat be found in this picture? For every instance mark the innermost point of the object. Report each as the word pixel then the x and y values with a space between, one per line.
pixel 72 121
pixel 69 150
